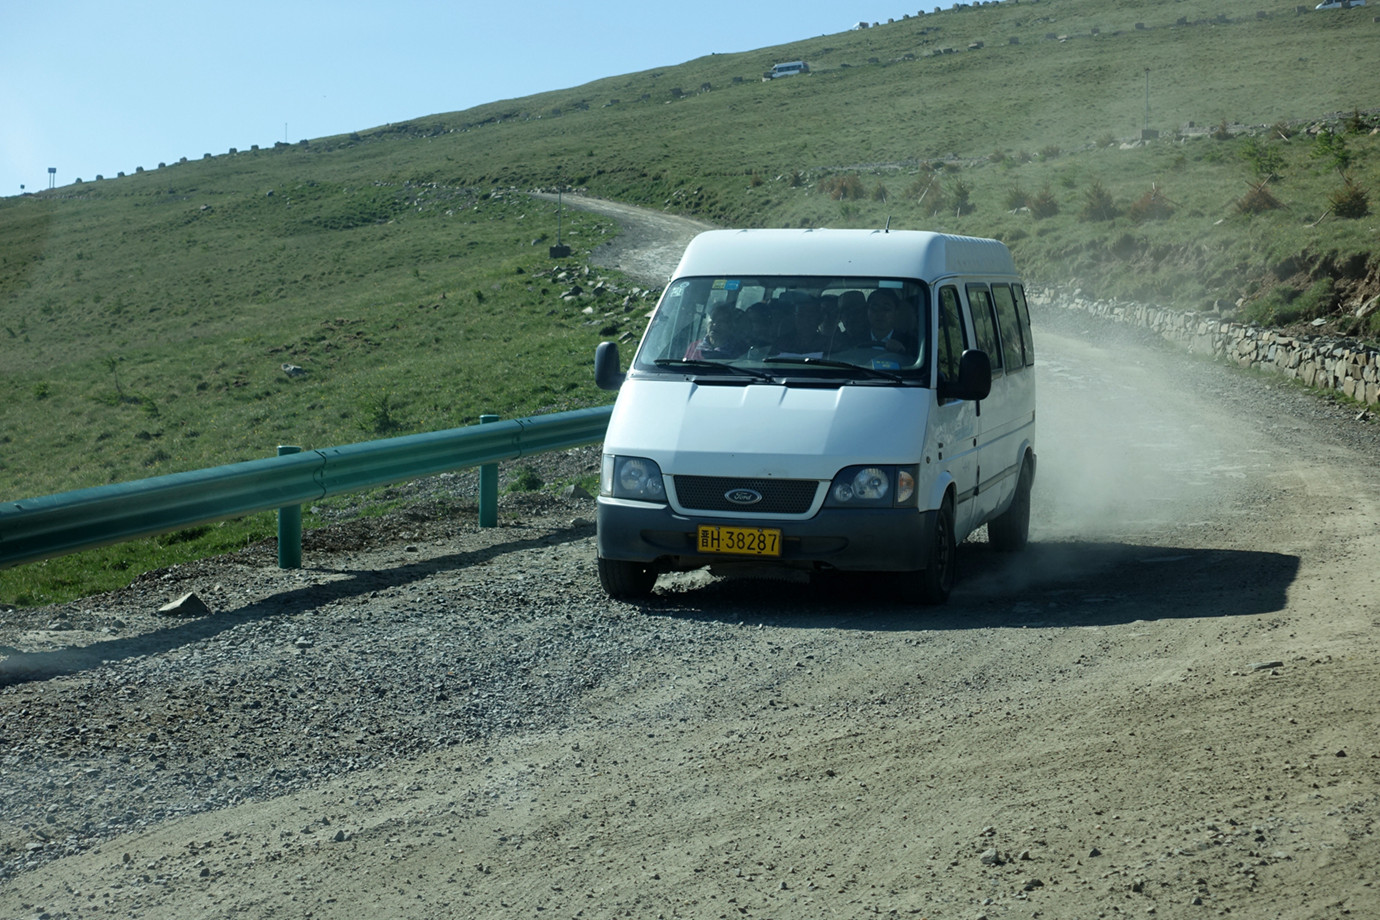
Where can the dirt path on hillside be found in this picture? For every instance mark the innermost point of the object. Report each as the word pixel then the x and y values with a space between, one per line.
pixel 1165 707
pixel 650 243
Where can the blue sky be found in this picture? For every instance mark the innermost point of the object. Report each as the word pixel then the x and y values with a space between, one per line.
pixel 102 88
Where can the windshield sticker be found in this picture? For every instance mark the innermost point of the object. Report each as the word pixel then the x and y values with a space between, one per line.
pixel 885 364
pixel 721 284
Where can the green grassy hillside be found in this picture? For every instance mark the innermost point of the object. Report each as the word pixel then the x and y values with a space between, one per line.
pixel 144 318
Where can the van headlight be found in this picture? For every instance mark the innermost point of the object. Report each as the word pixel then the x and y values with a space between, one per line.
pixel 873 486
pixel 631 477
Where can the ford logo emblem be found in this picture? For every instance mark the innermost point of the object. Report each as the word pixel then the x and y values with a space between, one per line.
pixel 743 496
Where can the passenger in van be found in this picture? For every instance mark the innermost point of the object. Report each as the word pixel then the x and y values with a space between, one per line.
pixel 760 331
pixel 802 336
pixel 884 329
pixel 723 335
pixel 852 321
pixel 829 315
pixel 906 322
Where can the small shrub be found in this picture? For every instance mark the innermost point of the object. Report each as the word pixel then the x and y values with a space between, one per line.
pixel 962 199
pixel 379 414
pixel 1351 201
pixel 1258 200
pixel 1151 206
pixel 1266 162
pixel 1332 150
pixel 1098 204
pixel 1222 132
pixel 1044 204
pixel 1050 152
pixel 926 192
pixel 755 180
pixel 879 193
pixel 843 188
pixel 42 390
pixel 1017 198
pixel 1356 123
pixel 525 479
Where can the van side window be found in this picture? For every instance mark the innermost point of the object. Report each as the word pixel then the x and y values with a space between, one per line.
pixel 952 340
pixel 1023 310
pixel 985 324
pixel 1013 351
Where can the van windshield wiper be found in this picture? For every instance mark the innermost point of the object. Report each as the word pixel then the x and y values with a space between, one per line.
pixel 699 364
pixel 825 362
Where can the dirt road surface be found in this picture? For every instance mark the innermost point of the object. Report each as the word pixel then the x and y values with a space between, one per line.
pixel 1166 707
pixel 650 243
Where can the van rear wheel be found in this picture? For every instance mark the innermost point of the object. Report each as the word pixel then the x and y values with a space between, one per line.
pixel 626 580
pixel 1010 530
pixel 937 578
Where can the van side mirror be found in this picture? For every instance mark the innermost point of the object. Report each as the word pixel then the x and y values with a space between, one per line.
pixel 607 375
pixel 974 377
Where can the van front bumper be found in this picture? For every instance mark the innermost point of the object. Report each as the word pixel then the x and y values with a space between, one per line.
pixel 846 539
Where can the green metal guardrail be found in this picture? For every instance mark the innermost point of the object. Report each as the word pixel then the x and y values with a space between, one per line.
pixel 53 525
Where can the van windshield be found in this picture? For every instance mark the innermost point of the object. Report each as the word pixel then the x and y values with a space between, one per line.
pixel 862 328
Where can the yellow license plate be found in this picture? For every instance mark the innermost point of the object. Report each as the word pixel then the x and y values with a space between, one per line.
pixel 741 541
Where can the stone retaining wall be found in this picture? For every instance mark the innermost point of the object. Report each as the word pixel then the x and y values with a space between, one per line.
pixel 1318 361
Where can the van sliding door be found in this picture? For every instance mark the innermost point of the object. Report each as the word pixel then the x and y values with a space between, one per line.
pixel 998 429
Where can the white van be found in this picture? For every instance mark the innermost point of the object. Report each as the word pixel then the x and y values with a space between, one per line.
pixel 788 69
pixel 819 401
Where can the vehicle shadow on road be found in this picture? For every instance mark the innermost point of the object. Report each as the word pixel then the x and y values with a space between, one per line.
pixel 1047 584
pixel 23 667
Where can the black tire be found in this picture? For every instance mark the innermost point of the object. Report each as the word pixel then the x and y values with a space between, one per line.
pixel 937 578
pixel 626 580
pixel 1009 531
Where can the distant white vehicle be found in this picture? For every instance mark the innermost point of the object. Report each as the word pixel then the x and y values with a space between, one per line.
pixel 788 69
pixel 1339 4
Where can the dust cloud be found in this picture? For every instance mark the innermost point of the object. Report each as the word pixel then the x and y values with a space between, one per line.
pixel 1140 472
pixel 1126 444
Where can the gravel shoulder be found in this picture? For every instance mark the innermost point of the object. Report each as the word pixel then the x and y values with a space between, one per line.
pixel 1165 707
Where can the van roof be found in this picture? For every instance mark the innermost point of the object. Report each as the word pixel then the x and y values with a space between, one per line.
pixel 859 253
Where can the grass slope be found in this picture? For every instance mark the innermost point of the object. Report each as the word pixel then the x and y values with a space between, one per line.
pixel 144 318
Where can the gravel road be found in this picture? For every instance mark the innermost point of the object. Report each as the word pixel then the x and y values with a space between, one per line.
pixel 1166 706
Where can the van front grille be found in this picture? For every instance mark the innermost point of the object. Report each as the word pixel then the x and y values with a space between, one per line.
pixel 779 496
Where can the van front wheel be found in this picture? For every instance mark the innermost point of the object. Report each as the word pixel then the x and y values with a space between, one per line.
pixel 626 580
pixel 937 579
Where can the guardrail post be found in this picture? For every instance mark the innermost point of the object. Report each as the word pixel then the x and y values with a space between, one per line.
pixel 488 486
pixel 289 526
